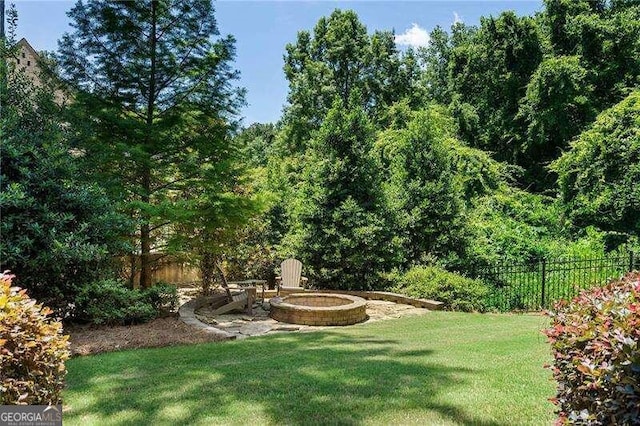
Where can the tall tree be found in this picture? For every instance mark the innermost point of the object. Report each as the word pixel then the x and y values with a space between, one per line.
pixel 338 59
pixel 557 107
pixel 558 14
pixel 345 239
pixel 605 35
pixel 424 187
pixel 436 58
pixel 489 72
pixel 154 106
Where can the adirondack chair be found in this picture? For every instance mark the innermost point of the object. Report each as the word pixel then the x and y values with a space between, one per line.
pixel 239 301
pixel 290 279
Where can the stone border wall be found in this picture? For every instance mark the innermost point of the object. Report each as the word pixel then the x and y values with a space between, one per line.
pixel 187 314
pixel 375 295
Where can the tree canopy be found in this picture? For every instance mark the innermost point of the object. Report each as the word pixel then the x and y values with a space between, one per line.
pixel 154 109
pixel 599 175
pixel 462 134
pixel 340 59
pixel 513 139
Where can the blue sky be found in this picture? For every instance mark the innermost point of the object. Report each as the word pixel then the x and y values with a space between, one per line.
pixel 263 28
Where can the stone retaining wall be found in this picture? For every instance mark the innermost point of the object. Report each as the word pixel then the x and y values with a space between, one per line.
pixel 374 295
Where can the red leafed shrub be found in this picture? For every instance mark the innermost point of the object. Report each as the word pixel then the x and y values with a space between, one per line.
pixel 32 350
pixel 595 342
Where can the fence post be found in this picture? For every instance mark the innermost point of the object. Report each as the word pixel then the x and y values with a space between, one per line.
pixel 544 281
pixel 631 261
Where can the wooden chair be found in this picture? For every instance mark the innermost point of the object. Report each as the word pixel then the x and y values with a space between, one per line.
pixel 239 301
pixel 291 279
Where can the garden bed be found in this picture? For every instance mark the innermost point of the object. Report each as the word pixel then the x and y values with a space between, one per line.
pixel 86 340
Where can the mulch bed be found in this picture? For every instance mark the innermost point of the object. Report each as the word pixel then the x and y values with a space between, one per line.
pixel 87 340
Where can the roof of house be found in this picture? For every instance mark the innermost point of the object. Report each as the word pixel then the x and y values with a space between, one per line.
pixel 24 43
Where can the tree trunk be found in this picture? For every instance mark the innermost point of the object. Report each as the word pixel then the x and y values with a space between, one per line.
pixel 133 265
pixel 145 233
pixel 145 257
pixel 208 270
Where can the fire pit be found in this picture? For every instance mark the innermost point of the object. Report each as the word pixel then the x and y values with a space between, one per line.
pixel 319 309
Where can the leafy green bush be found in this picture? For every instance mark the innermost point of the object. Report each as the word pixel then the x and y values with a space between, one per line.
pixel 514 226
pixel 58 232
pixel 32 350
pixel 458 293
pixel 163 297
pixel 110 302
pixel 594 339
pixel 598 176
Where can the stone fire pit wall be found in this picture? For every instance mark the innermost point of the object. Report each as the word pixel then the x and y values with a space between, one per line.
pixel 319 309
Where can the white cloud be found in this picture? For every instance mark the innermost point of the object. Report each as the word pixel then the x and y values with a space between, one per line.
pixel 456 18
pixel 414 37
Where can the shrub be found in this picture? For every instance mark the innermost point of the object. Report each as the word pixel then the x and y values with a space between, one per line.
pixel 513 225
pixel 110 302
pixel 458 293
pixel 32 350
pixel 594 339
pixel 58 232
pixel 163 297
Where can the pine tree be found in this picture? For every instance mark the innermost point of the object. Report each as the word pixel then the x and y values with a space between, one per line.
pixel 345 239
pixel 154 109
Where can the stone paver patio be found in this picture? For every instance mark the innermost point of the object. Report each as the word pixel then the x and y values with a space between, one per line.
pixel 242 325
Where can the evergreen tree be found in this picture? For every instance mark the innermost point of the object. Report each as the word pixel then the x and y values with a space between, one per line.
pixel 424 186
pixel 345 240
pixel 154 108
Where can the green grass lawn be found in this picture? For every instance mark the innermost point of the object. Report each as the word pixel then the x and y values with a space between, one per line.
pixel 441 368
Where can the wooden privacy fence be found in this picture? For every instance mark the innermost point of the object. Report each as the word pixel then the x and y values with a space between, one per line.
pixel 538 284
pixel 165 268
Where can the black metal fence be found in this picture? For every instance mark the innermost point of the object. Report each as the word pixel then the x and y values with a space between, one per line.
pixel 537 285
